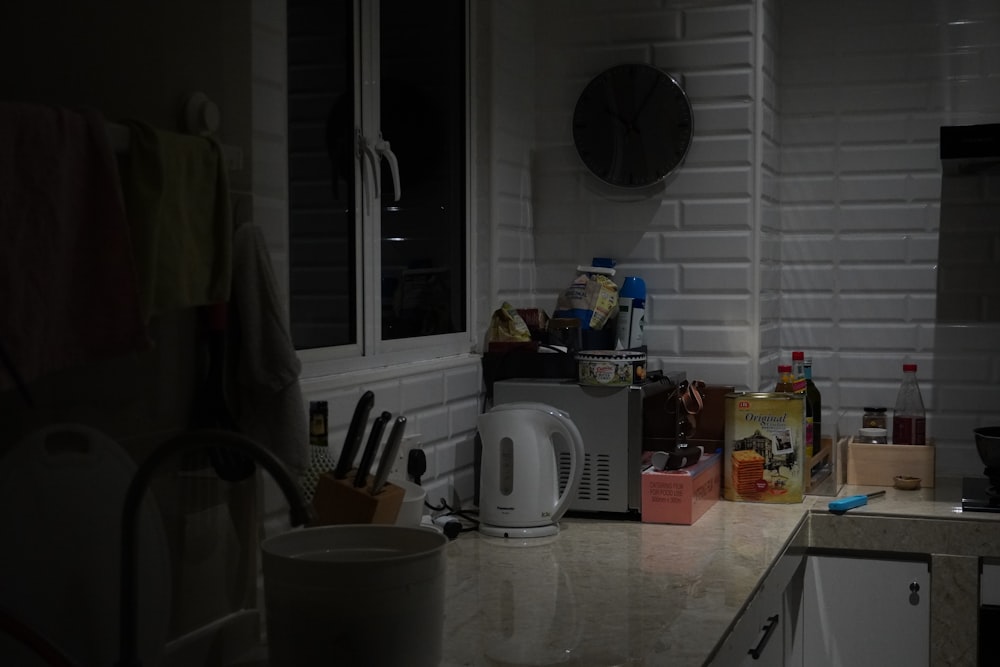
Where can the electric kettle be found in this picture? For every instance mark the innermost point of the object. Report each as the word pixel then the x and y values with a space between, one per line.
pixel 519 484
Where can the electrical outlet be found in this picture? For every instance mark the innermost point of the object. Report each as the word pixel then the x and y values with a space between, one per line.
pixel 398 470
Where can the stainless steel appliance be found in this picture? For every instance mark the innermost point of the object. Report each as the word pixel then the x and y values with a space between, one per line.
pixel 614 422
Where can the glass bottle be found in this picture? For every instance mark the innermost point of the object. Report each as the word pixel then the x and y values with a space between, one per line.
pixel 784 384
pixel 799 386
pixel 874 418
pixel 908 419
pixel 814 405
pixel 320 460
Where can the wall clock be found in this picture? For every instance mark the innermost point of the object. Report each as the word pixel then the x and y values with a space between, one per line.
pixel 632 125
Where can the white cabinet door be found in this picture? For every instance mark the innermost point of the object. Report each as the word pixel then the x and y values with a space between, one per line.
pixel 764 636
pixel 861 611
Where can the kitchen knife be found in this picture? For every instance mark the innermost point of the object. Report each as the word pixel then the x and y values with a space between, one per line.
pixel 841 505
pixel 371 448
pixel 355 432
pixel 389 454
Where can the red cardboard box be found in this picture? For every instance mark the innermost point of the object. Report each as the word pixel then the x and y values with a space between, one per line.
pixel 682 496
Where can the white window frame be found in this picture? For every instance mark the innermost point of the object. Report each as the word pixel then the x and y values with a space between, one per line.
pixel 370 351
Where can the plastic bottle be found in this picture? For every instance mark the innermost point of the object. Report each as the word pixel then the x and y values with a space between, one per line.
pixel 909 419
pixel 631 312
pixel 784 384
pixel 814 404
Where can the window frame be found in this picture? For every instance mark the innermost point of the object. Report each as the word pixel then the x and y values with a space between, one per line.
pixel 370 351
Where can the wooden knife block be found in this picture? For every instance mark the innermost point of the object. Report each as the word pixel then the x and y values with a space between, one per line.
pixel 339 501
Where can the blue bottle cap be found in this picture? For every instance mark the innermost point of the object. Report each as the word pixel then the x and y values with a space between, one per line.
pixel 633 288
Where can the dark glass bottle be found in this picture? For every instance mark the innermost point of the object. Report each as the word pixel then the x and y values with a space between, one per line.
pixel 814 405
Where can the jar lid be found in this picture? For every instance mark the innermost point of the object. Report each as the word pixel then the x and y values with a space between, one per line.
pixel 875 409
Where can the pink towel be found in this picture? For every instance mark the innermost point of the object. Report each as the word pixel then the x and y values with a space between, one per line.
pixel 68 291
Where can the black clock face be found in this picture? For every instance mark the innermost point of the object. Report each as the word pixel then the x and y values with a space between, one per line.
pixel 632 125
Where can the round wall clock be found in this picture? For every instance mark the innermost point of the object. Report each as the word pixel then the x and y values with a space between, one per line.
pixel 632 125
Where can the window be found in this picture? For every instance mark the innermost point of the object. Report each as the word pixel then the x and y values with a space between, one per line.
pixel 372 85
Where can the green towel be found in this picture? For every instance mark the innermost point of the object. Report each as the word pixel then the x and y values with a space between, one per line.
pixel 177 200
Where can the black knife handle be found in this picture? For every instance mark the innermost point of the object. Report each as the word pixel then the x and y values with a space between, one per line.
pixel 389 454
pixel 355 432
pixel 371 449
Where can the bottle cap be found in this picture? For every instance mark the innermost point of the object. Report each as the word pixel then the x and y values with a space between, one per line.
pixel 798 355
pixel 909 368
pixel 784 368
pixel 633 288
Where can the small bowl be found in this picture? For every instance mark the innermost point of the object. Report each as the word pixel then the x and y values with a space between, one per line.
pixel 906 483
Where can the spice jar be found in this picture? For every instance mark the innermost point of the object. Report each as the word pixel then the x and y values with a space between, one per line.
pixel 872 436
pixel 874 418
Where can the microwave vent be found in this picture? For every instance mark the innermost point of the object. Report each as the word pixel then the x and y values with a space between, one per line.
pixel 595 482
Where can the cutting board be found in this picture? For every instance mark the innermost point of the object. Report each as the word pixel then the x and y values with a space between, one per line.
pixel 61 494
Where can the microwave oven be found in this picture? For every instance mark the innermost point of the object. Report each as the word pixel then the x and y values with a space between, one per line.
pixel 617 424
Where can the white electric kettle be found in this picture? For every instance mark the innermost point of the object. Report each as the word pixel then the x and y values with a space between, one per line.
pixel 519 485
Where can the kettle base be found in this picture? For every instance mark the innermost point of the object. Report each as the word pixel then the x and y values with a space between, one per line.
pixel 547 530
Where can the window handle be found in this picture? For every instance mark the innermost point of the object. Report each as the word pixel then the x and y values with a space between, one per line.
pixel 370 160
pixel 382 146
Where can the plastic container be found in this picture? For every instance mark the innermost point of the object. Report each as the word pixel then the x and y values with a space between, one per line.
pixel 908 419
pixel 631 312
pixel 355 595
pixel 611 368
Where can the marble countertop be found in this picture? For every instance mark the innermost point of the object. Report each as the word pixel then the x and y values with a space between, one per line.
pixel 609 592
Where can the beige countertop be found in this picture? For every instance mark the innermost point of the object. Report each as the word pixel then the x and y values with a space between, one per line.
pixel 609 592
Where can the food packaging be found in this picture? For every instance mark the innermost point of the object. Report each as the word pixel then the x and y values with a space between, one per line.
pixel 764 458
pixel 611 368
pixel 681 496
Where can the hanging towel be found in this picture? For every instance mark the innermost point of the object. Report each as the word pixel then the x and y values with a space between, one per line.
pixel 262 366
pixel 68 290
pixel 177 197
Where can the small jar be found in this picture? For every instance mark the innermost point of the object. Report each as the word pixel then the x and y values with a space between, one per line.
pixel 872 436
pixel 874 418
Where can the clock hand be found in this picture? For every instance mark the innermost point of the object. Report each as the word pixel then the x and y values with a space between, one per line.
pixel 643 104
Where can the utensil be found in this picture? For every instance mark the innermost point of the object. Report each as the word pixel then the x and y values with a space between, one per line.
pixel 371 448
pixel 354 434
pixel 519 485
pixel 841 505
pixel 389 454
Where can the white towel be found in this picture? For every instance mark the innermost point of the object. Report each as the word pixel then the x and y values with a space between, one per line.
pixel 262 366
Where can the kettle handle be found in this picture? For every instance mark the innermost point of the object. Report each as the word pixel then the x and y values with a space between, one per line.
pixel 565 426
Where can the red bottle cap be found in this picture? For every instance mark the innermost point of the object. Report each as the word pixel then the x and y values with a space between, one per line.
pixel 907 368
pixel 798 356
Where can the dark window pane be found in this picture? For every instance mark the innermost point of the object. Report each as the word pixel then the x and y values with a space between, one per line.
pixel 323 299
pixel 423 117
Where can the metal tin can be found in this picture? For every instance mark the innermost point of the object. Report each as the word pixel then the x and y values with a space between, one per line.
pixel 611 368
pixel 765 447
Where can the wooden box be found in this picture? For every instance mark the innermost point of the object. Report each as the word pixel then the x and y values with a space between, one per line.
pixel 876 465
pixel 339 501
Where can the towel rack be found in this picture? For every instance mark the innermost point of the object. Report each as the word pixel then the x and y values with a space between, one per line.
pixel 118 135
pixel 201 117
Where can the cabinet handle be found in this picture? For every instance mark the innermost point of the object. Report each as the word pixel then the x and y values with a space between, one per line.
pixel 772 623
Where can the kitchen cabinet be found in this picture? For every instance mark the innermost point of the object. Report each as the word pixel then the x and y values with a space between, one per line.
pixel 865 611
pixel 765 632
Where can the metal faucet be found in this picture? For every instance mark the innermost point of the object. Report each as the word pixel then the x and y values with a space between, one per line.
pixel 300 510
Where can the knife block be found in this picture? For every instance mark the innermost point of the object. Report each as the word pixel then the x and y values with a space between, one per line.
pixel 339 501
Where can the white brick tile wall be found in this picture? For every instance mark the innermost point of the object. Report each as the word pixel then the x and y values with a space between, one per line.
pixel 831 250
